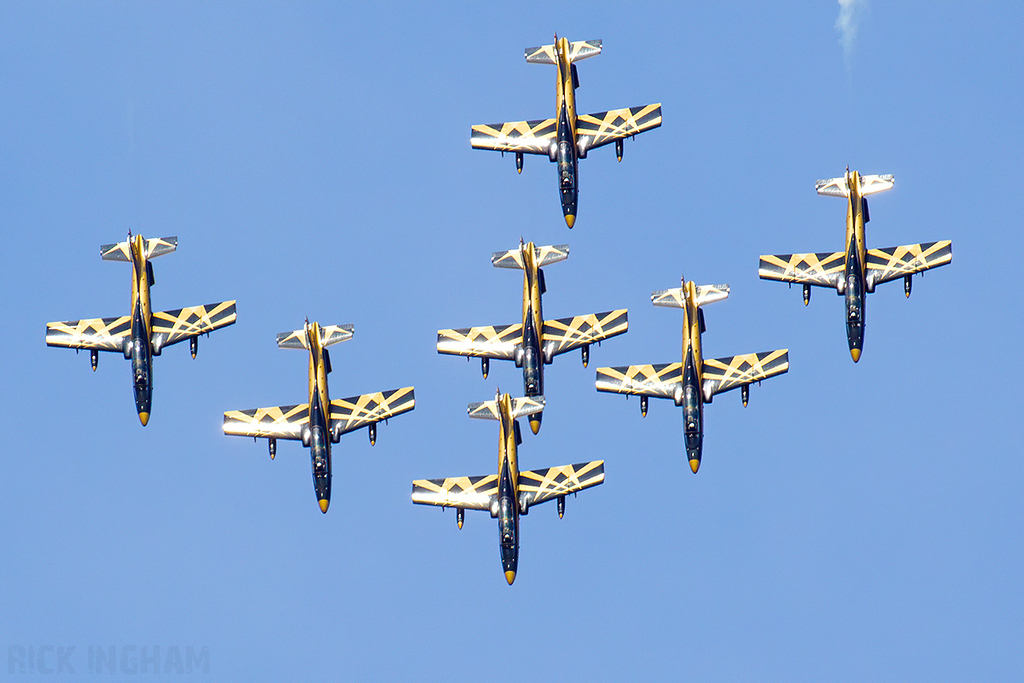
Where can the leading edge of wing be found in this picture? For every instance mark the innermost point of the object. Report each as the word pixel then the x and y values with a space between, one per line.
pixel 473 493
pixel 100 334
pixel 278 422
pixel 488 342
pixel 538 486
pixel 723 374
pixel 596 130
pixel 528 137
pixel 349 414
pixel 659 381
pixel 565 334
pixel 823 269
pixel 184 323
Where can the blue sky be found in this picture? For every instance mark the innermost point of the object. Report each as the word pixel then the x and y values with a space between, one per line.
pixel 855 522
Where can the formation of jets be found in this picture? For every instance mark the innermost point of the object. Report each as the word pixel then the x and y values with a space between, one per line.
pixel 531 343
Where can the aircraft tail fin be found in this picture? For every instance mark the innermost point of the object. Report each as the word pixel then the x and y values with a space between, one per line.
pixel 869 184
pixel 329 334
pixel 542 255
pixel 676 298
pixel 546 54
pixel 121 251
pixel 489 410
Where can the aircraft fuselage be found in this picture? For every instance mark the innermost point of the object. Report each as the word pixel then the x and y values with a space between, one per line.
pixel 140 347
pixel 319 437
pixel 690 398
pixel 855 281
pixel 566 155
pixel 532 359
pixel 508 491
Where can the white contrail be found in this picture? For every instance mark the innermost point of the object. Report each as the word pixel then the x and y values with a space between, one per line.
pixel 850 12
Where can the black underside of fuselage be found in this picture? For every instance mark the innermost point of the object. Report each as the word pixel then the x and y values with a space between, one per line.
pixel 508 524
pixel 693 409
pixel 855 294
pixel 142 366
pixel 568 187
pixel 320 452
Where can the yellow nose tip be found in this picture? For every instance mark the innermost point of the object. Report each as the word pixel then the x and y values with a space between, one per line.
pixel 510 577
pixel 856 354
pixel 144 418
pixel 570 220
pixel 695 465
pixel 323 504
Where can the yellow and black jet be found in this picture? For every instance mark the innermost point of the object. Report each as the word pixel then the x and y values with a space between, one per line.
pixel 855 271
pixel 510 492
pixel 534 342
pixel 143 334
pixel 567 138
pixel 695 380
pixel 322 421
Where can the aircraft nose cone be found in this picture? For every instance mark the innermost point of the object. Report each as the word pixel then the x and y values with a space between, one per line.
pixel 323 505
pixel 856 354
pixel 535 426
pixel 144 418
pixel 510 576
pixel 695 465
pixel 570 220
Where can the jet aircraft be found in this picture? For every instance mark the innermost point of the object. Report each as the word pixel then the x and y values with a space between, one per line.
pixel 321 422
pixel 511 492
pixel 855 271
pixel 695 380
pixel 142 334
pixel 534 342
pixel 567 138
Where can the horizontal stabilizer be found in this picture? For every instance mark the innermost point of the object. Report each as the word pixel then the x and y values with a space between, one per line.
pixel 869 184
pixel 150 249
pixel 329 334
pixel 513 258
pixel 488 410
pixel 581 49
pixel 676 298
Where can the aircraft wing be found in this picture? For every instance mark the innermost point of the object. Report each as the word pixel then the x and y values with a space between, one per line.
pixel 660 381
pixel 894 262
pixel 487 342
pixel 723 374
pixel 100 334
pixel 565 334
pixel 349 414
pixel 277 422
pixel 529 137
pixel 824 269
pixel 595 130
pixel 185 323
pixel 474 493
pixel 538 486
